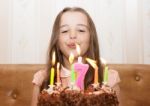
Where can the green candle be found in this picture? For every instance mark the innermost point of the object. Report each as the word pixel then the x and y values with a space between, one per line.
pixel 71 59
pixel 105 75
pixel 72 74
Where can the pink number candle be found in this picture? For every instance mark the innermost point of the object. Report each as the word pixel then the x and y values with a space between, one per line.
pixel 81 69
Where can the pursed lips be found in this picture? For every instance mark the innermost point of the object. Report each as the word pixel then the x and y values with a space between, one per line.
pixel 72 45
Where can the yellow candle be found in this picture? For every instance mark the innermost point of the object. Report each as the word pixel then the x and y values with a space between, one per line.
pixel 52 70
pixel 52 76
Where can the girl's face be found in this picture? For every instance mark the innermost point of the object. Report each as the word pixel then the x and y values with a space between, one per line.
pixel 73 29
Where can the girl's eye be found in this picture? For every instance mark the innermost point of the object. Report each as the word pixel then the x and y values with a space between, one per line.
pixel 64 31
pixel 81 30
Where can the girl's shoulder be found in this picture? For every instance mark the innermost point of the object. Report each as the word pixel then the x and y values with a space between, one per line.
pixel 39 77
pixel 113 77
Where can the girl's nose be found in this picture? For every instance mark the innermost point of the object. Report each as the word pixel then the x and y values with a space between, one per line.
pixel 73 35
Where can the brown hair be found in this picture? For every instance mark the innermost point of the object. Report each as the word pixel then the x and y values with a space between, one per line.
pixel 92 52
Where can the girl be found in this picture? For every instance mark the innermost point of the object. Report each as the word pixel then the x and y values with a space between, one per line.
pixel 72 25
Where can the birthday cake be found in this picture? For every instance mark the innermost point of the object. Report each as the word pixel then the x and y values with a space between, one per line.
pixel 99 96
pixel 75 95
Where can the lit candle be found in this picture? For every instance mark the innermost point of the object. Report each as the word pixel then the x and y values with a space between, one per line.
pixel 79 52
pixel 81 69
pixel 106 75
pixel 52 70
pixel 58 75
pixel 71 59
pixel 93 64
pixel 105 79
pixel 52 76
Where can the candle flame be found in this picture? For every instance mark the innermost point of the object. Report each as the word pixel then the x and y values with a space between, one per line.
pixel 103 61
pixel 92 62
pixel 78 49
pixel 53 58
pixel 71 58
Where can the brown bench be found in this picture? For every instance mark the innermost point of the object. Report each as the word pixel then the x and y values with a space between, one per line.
pixel 16 86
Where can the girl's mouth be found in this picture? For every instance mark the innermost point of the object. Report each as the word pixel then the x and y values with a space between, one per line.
pixel 72 45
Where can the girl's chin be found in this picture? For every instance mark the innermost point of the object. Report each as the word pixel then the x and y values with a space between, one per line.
pixel 73 52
